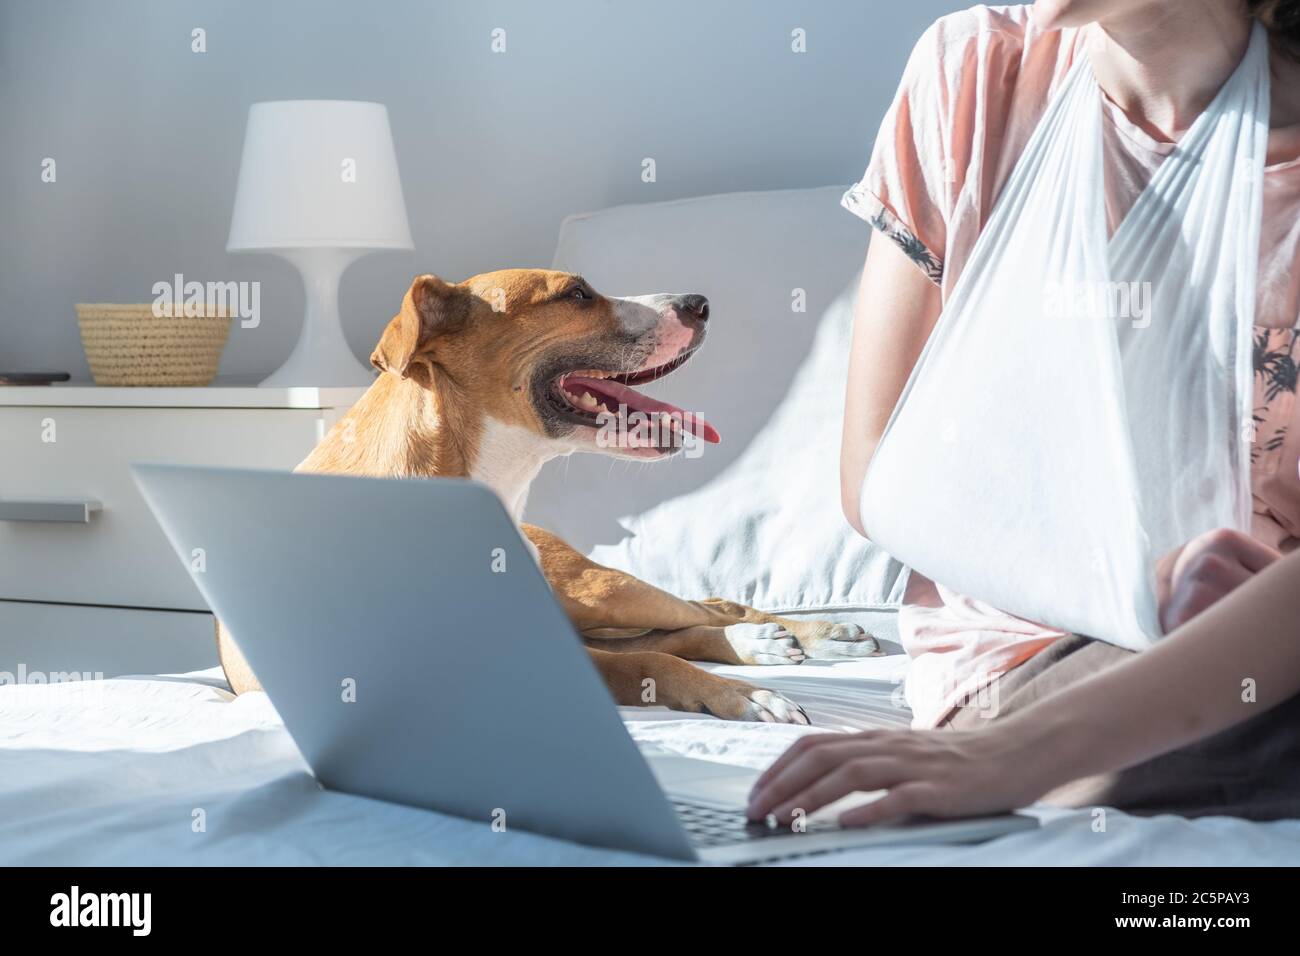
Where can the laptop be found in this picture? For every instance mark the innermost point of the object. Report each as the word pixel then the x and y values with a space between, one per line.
pixel 415 653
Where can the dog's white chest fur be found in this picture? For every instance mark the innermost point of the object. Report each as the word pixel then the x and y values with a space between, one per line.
pixel 508 460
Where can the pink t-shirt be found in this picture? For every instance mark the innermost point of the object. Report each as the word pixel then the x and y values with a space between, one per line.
pixel 974 89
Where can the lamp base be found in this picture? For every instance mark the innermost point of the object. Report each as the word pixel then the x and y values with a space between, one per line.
pixel 322 357
pixel 320 368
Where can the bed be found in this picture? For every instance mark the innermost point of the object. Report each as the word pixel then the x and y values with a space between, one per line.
pixel 172 769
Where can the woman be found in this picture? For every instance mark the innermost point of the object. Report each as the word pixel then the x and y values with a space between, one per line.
pixel 1068 708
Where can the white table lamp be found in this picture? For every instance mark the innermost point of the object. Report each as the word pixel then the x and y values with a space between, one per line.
pixel 318 185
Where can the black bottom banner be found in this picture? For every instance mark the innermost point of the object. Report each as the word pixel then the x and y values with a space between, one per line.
pixel 334 905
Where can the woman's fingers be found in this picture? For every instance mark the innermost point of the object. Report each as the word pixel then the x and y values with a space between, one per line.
pixel 807 762
pixel 1207 569
pixel 1228 545
pixel 904 800
pixel 1254 555
pixel 859 773
pixel 1165 568
pixel 794 752
pixel 937 773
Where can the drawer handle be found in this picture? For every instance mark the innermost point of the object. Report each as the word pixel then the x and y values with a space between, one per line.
pixel 72 510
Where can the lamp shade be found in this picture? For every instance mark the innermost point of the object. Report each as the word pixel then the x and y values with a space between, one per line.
pixel 318 174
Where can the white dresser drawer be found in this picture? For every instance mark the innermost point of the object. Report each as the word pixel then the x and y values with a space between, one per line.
pixel 120 555
pixel 39 642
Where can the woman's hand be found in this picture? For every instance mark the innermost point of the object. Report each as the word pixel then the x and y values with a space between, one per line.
pixel 1201 572
pixel 1149 704
pixel 938 773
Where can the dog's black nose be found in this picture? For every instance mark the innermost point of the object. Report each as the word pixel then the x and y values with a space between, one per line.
pixel 692 307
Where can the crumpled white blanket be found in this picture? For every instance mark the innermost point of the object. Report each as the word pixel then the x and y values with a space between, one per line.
pixel 122 772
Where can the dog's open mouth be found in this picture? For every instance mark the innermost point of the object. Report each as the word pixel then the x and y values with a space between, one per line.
pixel 602 399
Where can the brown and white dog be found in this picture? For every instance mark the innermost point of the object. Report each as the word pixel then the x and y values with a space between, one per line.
pixel 490 378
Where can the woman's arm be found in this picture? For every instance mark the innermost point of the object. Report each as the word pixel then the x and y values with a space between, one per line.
pixel 895 312
pixel 1191 685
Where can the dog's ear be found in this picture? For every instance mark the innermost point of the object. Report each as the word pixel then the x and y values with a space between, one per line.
pixel 430 307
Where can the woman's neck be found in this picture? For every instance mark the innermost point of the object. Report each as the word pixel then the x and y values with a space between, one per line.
pixel 1163 64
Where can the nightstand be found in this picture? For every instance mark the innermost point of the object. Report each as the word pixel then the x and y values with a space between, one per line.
pixel 88 581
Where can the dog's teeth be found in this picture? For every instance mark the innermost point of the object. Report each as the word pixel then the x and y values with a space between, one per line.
pixel 589 400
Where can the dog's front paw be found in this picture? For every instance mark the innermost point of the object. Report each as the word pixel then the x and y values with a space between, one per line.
pixel 826 640
pixel 735 700
pixel 772 708
pixel 764 644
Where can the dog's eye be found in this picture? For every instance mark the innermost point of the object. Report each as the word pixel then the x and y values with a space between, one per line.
pixel 578 292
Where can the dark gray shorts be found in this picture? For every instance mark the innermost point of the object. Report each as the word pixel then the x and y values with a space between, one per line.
pixel 1251 770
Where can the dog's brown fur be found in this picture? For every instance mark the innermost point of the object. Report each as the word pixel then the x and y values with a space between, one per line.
pixel 459 367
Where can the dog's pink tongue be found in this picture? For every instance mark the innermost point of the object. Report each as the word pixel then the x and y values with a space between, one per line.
pixel 621 394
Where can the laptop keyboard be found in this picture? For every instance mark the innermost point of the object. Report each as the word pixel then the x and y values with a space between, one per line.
pixel 711 826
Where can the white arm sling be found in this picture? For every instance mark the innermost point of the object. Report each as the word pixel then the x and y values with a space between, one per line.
pixel 1083 405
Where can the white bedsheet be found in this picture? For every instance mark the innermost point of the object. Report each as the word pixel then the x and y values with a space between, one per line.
pixel 114 772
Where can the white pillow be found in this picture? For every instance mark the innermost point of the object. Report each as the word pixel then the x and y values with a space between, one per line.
pixel 769 532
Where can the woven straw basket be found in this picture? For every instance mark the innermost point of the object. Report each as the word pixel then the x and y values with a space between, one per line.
pixel 129 345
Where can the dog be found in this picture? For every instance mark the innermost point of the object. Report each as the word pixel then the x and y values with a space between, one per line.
pixel 492 377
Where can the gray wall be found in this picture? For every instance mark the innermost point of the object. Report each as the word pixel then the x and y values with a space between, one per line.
pixel 494 149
